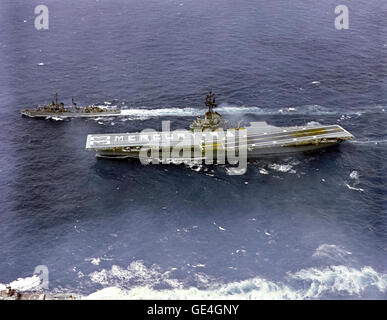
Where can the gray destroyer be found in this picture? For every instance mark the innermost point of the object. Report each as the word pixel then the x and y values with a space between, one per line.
pixel 58 110
pixel 261 138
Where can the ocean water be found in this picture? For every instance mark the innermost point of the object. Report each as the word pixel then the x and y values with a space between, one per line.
pixel 306 226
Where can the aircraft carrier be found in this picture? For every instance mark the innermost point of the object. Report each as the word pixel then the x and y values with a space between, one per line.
pixel 58 110
pixel 260 138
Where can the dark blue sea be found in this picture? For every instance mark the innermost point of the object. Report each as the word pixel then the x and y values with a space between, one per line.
pixel 305 226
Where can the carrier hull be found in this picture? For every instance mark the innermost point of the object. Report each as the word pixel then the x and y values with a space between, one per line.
pixel 251 155
pixel 260 139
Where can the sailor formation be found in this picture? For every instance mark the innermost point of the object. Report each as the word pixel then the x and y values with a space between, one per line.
pixel 260 138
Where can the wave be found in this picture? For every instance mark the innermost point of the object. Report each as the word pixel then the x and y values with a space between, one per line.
pixel 331 252
pixel 229 109
pixel 136 274
pixel 253 289
pixel 186 112
pixel 340 279
pixel 369 142
pixel 138 281
pixel 354 175
pixel 311 283
pixel 161 112
pixel 354 188
pixel 54 118
pixel 282 167
pixel 24 284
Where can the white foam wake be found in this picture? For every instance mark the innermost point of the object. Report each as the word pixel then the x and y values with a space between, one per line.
pixel 186 112
pixel 354 175
pixel 226 109
pixel 282 167
pixel 160 112
pixel 332 252
pixel 253 289
pixel 369 142
pixel 24 284
pixel 230 109
pixel 140 282
pixel 340 280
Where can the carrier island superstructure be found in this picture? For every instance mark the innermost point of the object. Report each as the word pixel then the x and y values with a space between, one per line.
pixel 260 138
